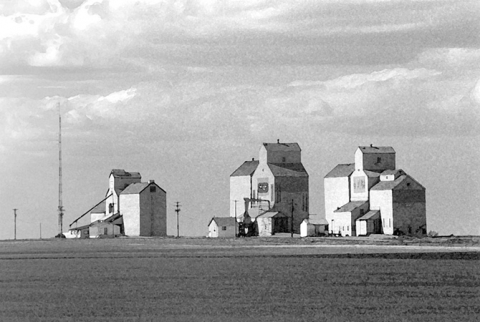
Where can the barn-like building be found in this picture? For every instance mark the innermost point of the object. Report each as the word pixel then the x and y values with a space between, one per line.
pixel 271 190
pixel 371 196
pixel 130 207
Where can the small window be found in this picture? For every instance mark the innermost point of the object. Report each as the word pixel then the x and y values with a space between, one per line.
pixel 153 188
pixel 379 160
pixel 224 227
pixel 110 208
pixel 105 231
pixel 348 228
pixel 284 159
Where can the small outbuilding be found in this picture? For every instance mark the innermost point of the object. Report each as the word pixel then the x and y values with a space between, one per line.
pixel 369 223
pixel 223 227
pixel 272 222
pixel 313 226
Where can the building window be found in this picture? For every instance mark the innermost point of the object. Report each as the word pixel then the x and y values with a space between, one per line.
pixel 348 228
pixel 105 231
pixel 379 160
pixel 262 187
pixel 153 188
pixel 224 227
pixel 110 208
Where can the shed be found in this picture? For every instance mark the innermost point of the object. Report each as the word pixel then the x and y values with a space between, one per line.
pixel 272 222
pixel 109 227
pixel 222 227
pixel 369 223
pixel 313 226
pixel 80 232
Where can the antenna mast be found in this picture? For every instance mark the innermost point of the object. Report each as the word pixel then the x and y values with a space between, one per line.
pixel 60 204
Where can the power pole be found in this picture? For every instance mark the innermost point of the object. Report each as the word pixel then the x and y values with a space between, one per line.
pixel 291 222
pixel 235 219
pixel 15 223
pixel 60 202
pixel 177 210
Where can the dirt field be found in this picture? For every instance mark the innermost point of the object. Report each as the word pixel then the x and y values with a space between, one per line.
pixel 237 280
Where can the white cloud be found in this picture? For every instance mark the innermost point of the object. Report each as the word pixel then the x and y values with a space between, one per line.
pixel 121 96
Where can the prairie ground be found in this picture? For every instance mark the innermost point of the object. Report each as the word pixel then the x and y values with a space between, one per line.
pixel 276 279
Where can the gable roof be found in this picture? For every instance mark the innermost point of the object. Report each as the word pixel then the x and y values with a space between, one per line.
pixel 99 208
pixel 275 147
pixel 352 205
pixel 135 188
pixel 118 173
pixel 371 174
pixel 390 172
pixel 372 214
pixel 316 220
pixel 341 170
pixel 397 183
pixel 271 214
pixel 376 149
pixel 246 169
pixel 223 221
pixel 288 169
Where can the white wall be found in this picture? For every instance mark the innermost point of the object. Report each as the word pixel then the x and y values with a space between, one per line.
pixel 337 194
pixel 382 200
pixel 263 173
pixel 131 213
pixel 239 188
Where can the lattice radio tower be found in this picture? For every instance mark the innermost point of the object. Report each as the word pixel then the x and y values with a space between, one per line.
pixel 60 202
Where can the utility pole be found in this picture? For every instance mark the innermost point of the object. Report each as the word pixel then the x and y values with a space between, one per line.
pixel 60 202
pixel 15 223
pixel 177 210
pixel 235 219
pixel 291 222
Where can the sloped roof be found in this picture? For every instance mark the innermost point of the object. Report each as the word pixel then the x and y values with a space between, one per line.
pixel 135 188
pixel 282 147
pixel 223 221
pixel 372 174
pixel 80 227
pixel 391 172
pixel 376 149
pixel 246 169
pixel 390 185
pixel 317 220
pixel 341 170
pixel 271 214
pixel 122 173
pixel 288 169
pixel 99 208
pixel 370 215
pixel 350 206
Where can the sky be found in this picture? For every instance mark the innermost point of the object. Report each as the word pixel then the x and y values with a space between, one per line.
pixel 185 91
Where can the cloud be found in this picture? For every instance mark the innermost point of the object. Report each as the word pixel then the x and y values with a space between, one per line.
pixel 120 34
